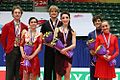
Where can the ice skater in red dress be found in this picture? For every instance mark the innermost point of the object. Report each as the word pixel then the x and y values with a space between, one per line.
pixel 102 69
pixel 33 40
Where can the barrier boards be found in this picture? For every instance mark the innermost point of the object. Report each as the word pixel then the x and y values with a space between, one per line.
pixel 76 74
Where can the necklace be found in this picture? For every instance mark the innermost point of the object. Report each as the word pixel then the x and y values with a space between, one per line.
pixel 53 26
pixel 32 37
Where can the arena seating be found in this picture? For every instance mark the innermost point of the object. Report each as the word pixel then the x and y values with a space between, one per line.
pixel 8 5
pixel 109 11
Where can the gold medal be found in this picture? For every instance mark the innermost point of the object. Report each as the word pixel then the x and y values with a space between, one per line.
pixel 30 43
pixel 15 45
pixel 17 41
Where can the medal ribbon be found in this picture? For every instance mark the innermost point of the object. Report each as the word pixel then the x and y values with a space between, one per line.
pixel 53 26
pixel 17 34
pixel 107 42
pixel 95 34
pixel 32 36
pixel 17 29
pixel 65 35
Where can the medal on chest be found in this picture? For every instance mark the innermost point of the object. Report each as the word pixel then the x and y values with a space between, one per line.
pixel 107 41
pixel 65 36
pixel 17 35
pixel 53 26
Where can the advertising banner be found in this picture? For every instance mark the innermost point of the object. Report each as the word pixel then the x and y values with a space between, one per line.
pixel 80 22
pixel 76 74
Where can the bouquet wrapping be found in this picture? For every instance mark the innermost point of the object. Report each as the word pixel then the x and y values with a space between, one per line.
pixel 55 42
pixel 59 46
pixel 91 44
pixel 28 51
pixel 48 37
pixel 101 50
pixel 112 63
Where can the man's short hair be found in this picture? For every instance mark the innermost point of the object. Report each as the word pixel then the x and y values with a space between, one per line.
pixel 54 7
pixel 96 17
pixel 17 7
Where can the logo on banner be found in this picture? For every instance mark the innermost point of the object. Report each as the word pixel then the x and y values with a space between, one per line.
pixel 41 3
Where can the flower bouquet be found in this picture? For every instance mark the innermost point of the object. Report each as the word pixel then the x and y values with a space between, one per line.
pixel 91 44
pixel 101 50
pixel 48 37
pixel 28 51
pixel 57 44
pixel 112 63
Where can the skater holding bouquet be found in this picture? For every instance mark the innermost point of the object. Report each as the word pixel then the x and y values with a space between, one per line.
pixel 67 36
pixel 49 55
pixel 31 43
pixel 97 20
pixel 103 70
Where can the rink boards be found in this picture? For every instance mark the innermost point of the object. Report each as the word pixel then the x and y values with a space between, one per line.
pixel 76 74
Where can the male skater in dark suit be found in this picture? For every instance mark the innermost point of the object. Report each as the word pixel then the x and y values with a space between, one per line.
pixel 49 56
pixel 92 35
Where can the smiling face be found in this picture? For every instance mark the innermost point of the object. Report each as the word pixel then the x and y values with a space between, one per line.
pixel 53 13
pixel 105 27
pixel 65 19
pixel 97 24
pixel 33 23
pixel 17 14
